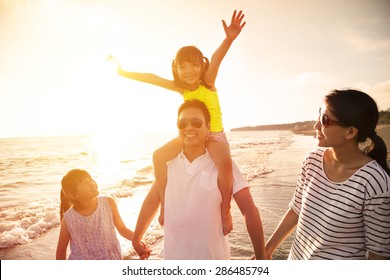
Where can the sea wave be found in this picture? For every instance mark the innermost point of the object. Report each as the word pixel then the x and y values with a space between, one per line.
pixel 21 225
pixel 31 171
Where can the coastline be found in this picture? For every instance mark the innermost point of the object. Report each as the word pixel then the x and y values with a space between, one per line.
pixel 277 188
pixel 271 192
pixel 383 131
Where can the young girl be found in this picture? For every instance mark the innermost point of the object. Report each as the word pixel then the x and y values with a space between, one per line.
pixel 194 78
pixel 88 222
pixel 341 203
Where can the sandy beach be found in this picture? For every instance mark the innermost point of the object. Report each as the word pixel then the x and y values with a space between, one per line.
pixel 271 192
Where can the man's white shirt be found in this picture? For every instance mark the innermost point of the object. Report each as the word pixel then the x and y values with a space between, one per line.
pixel 192 221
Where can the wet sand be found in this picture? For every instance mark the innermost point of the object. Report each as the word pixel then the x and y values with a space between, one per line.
pixel 271 192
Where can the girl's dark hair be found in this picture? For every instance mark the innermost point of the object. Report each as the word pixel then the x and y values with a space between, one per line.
pixel 69 186
pixel 193 55
pixel 358 109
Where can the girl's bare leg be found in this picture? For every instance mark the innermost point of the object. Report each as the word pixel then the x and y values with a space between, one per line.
pixel 220 152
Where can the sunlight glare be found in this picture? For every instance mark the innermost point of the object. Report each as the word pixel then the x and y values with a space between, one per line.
pixel 110 150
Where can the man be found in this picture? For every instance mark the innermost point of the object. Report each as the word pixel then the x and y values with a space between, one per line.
pixel 193 223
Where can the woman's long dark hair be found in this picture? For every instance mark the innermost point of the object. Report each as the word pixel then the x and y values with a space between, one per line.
pixel 69 186
pixel 358 109
pixel 193 55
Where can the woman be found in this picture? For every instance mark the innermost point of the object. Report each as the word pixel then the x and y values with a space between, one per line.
pixel 341 203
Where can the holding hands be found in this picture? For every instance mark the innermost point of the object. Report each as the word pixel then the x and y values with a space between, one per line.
pixel 142 250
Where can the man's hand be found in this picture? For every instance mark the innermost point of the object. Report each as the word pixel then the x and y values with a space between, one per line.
pixel 142 250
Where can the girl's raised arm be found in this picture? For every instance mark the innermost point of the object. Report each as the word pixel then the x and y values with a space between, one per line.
pixel 231 31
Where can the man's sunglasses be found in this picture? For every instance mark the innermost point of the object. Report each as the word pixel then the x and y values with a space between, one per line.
pixel 195 122
pixel 325 121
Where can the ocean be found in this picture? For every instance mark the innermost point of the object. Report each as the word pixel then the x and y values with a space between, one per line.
pixel 31 170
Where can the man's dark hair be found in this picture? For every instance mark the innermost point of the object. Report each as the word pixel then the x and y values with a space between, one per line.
pixel 195 104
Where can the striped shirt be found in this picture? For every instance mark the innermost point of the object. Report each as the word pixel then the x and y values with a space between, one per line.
pixel 341 220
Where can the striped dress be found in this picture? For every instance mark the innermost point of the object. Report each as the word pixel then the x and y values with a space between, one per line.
pixel 341 220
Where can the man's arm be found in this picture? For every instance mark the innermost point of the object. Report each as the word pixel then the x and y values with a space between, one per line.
pixel 145 217
pixel 254 227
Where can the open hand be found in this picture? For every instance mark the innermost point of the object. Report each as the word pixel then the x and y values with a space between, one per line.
pixel 112 59
pixel 235 26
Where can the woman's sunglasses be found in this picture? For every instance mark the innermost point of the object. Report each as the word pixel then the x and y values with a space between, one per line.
pixel 325 121
pixel 195 122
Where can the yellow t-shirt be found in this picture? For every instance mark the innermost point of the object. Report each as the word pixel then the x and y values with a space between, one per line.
pixel 210 98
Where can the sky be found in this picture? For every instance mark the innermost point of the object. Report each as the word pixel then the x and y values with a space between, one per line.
pixel 55 80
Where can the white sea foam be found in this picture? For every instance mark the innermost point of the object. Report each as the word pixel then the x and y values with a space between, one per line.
pixel 31 171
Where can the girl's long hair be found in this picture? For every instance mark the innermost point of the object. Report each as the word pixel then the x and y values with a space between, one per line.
pixel 193 55
pixel 69 186
pixel 358 109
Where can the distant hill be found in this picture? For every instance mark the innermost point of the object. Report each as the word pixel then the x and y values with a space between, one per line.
pixel 306 127
pixel 384 117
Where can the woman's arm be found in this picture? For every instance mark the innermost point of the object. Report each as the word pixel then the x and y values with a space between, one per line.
pixel 373 256
pixel 283 230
